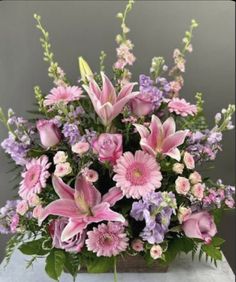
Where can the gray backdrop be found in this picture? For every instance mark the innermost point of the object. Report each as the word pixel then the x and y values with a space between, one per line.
pixel 86 27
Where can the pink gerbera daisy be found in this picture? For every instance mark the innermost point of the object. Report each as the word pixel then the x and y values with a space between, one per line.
pixel 34 177
pixel 182 107
pixel 107 239
pixel 63 94
pixel 137 175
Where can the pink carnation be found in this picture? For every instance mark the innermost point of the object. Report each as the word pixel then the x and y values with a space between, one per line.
pixel 63 94
pixel 34 177
pixel 182 107
pixel 107 239
pixel 137 175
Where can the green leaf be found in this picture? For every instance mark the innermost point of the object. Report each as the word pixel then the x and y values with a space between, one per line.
pixel 217 241
pixel 55 262
pixel 33 248
pixel 212 252
pixel 217 214
pixel 100 264
pixel 72 264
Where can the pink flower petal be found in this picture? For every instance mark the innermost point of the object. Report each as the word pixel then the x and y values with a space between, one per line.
pixel 174 154
pixel 61 207
pixel 103 212
pixel 126 90
pixel 142 130
pixel 108 91
pixel 72 228
pixel 156 137
pixel 191 229
pixel 86 189
pixel 174 140
pixel 169 127
pixel 63 190
pixel 114 195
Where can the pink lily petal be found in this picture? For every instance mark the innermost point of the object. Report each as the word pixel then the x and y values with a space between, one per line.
pixel 72 228
pixel 106 112
pixel 142 130
pixel 103 212
pixel 119 105
pixel 114 195
pixel 61 207
pixel 87 191
pixel 156 137
pixel 95 89
pixel 108 91
pixel 169 127
pixel 174 140
pixel 63 190
pixel 147 148
pixel 174 154
pixel 126 90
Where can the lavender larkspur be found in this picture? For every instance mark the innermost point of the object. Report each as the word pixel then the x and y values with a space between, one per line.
pixel 110 168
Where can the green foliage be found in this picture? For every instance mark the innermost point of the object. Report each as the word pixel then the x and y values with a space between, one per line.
pixel 178 245
pixel 72 263
pixel 213 250
pixel 100 264
pixel 34 248
pixel 55 263
pixel 217 214
pixel 11 246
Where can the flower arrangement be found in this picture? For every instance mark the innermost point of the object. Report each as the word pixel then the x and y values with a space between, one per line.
pixel 111 167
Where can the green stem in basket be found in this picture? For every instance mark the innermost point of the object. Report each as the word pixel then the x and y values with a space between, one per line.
pixel 115 271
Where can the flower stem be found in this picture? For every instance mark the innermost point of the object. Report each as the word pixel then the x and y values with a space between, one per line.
pixel 115 271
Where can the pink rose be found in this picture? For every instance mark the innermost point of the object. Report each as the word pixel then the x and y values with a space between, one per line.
pixel 198 191
pixel 75 244
pixel 200 225
pixel 142 104
pixel 108 147
pixel 195 177
pixel 49 133
pixel 182 185
pixel 22 207
pixel 189 161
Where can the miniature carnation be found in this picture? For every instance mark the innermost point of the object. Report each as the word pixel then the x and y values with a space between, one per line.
pixel 63 169
pixel 156 251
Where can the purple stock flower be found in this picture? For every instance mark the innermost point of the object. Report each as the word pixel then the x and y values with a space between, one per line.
pixel 204 145
pixel 156 210
pixel 9 219
pixel 17 150
pixel 71 132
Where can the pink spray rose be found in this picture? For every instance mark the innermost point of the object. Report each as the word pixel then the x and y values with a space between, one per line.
pixel 73 244
pixel 108 147
pixel 49 133
pixel 200 225
pixel 137 245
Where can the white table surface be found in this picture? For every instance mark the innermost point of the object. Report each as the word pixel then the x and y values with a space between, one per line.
pixel 182 270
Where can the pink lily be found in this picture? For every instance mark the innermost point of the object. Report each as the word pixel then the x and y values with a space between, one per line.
pixel 82 205
pixel 105 102
pixel 162 138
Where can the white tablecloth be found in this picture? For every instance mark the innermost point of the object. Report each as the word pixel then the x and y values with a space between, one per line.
pixel 182 270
